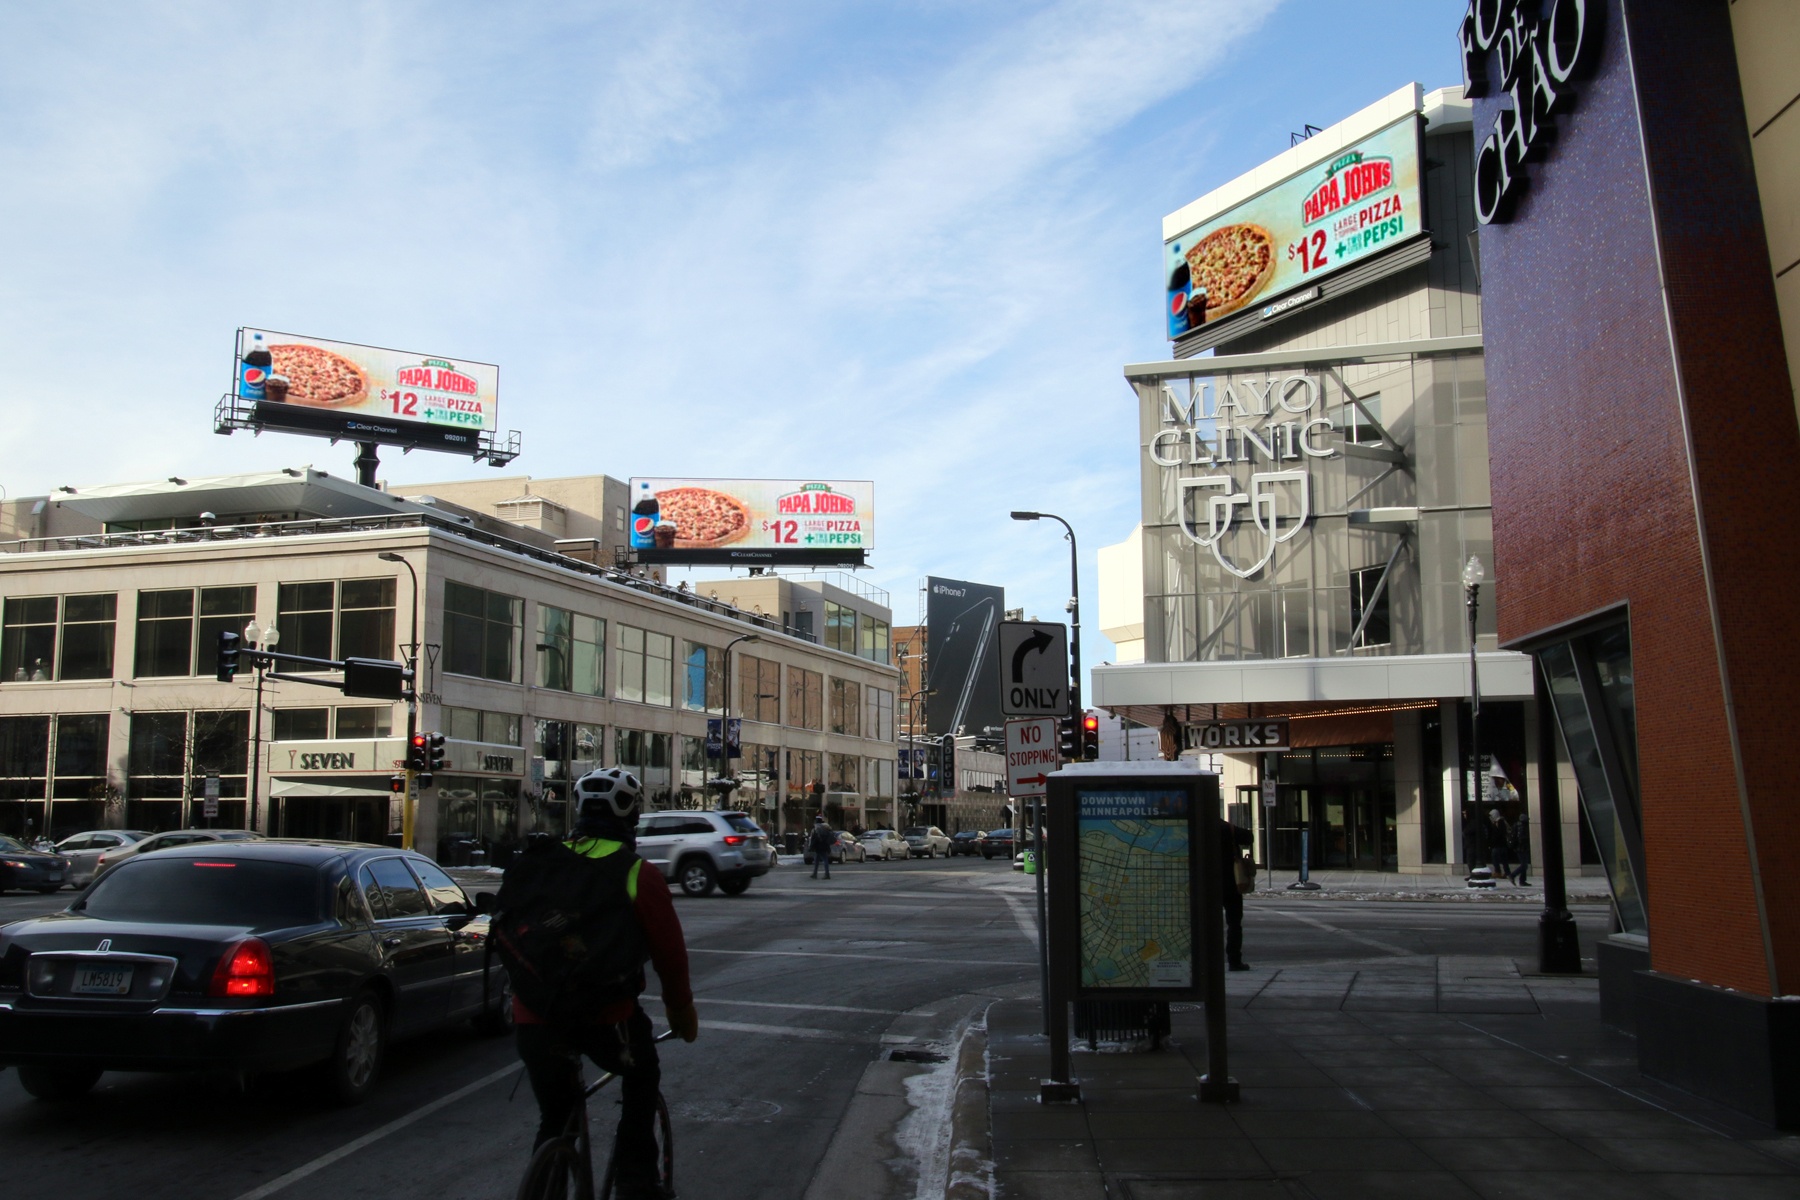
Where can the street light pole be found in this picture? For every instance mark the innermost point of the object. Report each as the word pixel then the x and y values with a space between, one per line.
pixel 1472 576
pixel 412 694
pixel 1056 1022
pixel 260 639
pixel 725 708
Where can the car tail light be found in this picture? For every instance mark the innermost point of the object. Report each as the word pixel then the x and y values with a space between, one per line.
pixel 735 839
pixel 247 969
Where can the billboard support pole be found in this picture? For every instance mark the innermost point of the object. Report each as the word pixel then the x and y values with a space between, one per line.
pixel 366 463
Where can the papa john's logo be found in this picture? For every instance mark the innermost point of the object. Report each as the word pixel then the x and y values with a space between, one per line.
pixel 1264 498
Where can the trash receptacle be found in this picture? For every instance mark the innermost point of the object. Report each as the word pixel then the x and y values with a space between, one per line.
pixel 478 858
pixel 1031 862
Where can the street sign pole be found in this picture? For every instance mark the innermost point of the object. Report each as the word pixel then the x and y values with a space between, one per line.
pixel 1031 754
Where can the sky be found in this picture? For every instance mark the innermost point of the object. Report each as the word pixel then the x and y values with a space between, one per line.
pixel 912 243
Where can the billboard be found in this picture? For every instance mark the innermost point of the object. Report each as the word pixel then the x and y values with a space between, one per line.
pixel 808 522
pixel 962 620
pixel 365 393
pixel 1329 216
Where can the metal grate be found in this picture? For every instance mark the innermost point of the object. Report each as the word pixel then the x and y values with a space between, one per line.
pixel 1121 1020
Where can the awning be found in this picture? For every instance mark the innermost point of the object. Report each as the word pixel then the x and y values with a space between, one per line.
pixel 353 789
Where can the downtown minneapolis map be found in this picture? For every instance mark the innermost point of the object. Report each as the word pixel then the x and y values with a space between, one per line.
pixel 1133 878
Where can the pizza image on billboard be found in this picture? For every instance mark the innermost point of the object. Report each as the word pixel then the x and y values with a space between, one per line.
pixel 318 376
pixel 703 518
pixel 395 388
pixel 1233 264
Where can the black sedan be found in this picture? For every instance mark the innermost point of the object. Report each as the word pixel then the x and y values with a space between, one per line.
pixel 997 843
pixel 22 867
pixel 245 956
pixel 967 841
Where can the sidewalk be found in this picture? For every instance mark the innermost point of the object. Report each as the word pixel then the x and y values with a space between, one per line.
pixel 1435 1077
pixel 1391 885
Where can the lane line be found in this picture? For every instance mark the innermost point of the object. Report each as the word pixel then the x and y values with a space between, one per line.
pixel 1344 933
pixel 370 1138
pixel 789 1031
pixel 897 960
pixel 1025 917
pixel 838 1008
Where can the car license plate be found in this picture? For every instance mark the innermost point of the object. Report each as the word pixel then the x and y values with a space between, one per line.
pixel 102 981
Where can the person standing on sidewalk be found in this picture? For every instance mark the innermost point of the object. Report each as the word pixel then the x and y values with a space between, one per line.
pixel 1519 838
pixel 1500 843
pixel 820 843
pixel 1232 844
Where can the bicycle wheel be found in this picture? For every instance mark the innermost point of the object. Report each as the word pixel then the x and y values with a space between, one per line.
pixel 665 1164
pixel 558 1172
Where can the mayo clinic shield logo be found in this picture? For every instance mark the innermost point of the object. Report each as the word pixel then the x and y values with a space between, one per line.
pixel 1273 497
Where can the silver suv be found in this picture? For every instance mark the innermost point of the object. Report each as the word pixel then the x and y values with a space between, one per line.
pixel 698 851
pixel 926 841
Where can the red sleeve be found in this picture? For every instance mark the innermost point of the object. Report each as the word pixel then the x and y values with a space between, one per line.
pixel 662 929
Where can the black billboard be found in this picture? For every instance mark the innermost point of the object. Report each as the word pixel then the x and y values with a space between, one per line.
pixel 962 620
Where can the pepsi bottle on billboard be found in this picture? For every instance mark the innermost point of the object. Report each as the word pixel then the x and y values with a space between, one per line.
pixel 644 516
pixel 1179 282
pixel 253 372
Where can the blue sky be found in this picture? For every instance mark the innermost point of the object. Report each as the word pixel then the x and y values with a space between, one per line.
pixel 907 242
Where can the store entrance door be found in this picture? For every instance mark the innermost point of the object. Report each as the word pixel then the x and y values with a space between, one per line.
pixel 338 818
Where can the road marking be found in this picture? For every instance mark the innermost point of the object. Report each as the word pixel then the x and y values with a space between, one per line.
pixel 1024 917
pixel 873 1012
pixel 823 1035
pixel 370 1138
pixel 897 960
pixel 1344 933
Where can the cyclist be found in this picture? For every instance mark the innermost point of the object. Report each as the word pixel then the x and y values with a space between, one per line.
pixel 640 922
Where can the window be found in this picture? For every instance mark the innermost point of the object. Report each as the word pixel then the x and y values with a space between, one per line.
pixel 805 769
pixel 840 628
pixel 156 759
pixel 646 755
pixel 221 746
pixel 759 689
pixel 303 614
pixel 440 889
pixel 474 725
pixel 366 618
pixel 646 666
pixel 878 719
pixel 168 640
pixel 400 893
pixel 846 707
pixel 481 633
pixel 805 699
pixel 300 724
pixel 874 640
pixel 1367 595
pixel 703 682
pixel 365 722
pixel 881 778
pixel 693 767
pixel 80 755
pixel 571 651
pixel 843 773
pixel 24 757
pixel 165 633
pixel 588 750
pixel 28 648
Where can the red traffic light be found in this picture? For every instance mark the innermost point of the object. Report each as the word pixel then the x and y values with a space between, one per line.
pixel 1090 723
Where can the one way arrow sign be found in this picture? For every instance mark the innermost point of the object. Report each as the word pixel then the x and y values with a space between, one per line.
pixel 1034 669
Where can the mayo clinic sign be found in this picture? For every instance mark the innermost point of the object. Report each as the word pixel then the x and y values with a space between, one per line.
pixel 1251 444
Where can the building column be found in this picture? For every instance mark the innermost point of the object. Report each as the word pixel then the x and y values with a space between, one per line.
pixel 1449 712
pixel 1409 827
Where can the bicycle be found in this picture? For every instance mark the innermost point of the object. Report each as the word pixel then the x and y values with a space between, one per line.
pixel 563 1168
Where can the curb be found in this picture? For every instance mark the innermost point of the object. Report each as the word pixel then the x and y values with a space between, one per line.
pixel 971 1168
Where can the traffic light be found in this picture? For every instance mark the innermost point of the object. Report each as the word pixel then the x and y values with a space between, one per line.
pixel 1069 747
pixel 229 645
pixel 415 752
pixel 397 784
pixel 1090 737
pixel 434 758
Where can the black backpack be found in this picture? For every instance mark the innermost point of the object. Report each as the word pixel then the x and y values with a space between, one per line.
pixel 566 931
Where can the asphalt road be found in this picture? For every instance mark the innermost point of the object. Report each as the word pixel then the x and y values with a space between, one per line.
pixel 798 980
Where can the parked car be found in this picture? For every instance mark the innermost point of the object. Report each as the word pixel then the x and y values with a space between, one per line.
pixel 162 841
pixel 884 844
pixel 698 851
pixel 845 849
pixel 250 956
pixel 965 841
pixel 997 843
pixel 927 841
pixel 83 850
pixel 22 867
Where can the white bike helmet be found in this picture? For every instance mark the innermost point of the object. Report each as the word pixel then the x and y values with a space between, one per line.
pixel 610 793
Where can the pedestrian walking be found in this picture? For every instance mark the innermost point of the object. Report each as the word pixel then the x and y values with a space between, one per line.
pixel 1498 846
pixel 820 844
pixel 1520 835
pixel 1232 844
